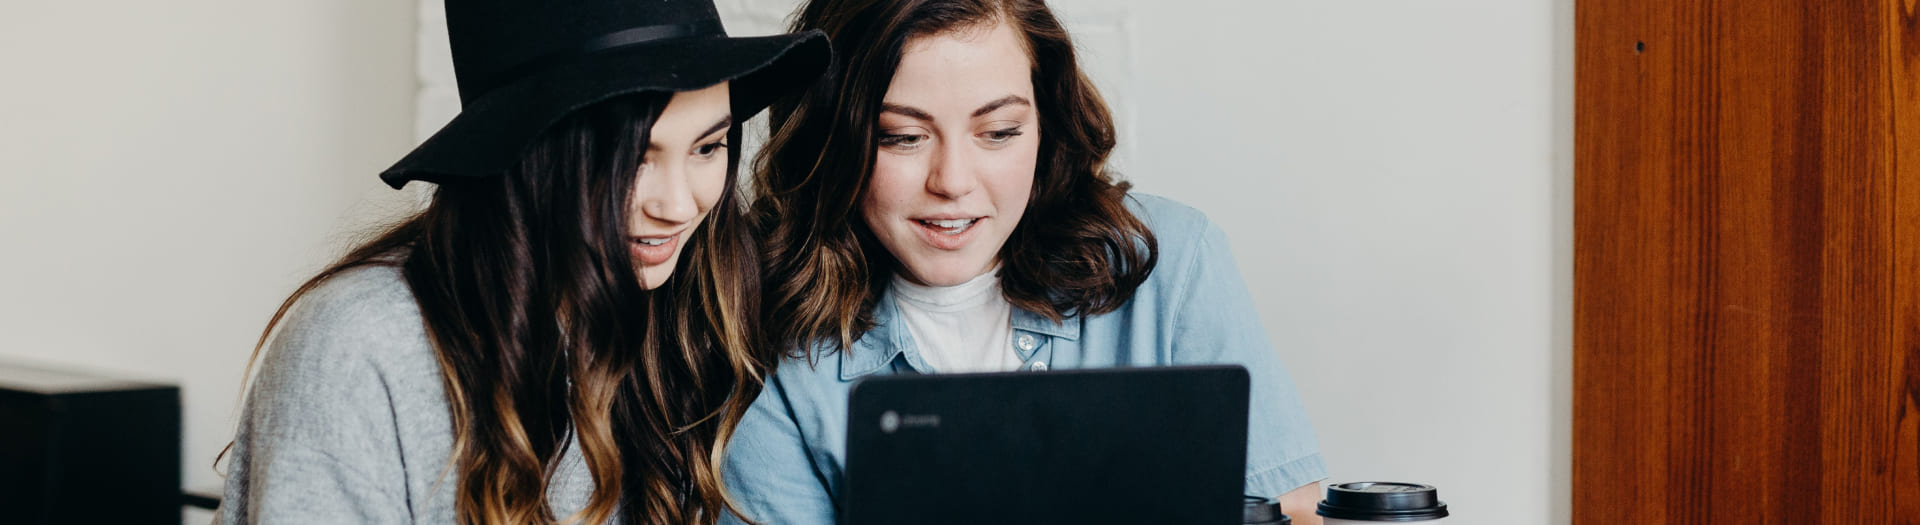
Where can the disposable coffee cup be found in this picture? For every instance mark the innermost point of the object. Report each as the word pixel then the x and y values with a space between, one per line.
pixel 1261 510
pixel 1374 502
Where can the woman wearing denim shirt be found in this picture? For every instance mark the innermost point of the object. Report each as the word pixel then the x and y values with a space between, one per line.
pixel 941 204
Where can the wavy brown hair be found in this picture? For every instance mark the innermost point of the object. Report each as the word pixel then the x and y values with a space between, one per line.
pixel 543 329
pixel 1077 251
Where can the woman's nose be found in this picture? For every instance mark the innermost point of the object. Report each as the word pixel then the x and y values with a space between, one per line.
pixel 665 194
pixel 952 175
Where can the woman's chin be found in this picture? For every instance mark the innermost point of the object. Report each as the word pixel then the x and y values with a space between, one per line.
pixel 654 276
pixel 947 275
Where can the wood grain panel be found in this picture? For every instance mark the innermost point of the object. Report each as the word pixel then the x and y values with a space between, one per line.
pixel 1745 317
pixel 1624 126
pixel 1903 469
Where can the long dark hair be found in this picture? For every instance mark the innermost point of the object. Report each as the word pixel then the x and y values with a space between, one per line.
pixel 1077 250
pixel 542 327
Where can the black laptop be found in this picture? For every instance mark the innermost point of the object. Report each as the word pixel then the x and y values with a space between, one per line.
pixel 1108 446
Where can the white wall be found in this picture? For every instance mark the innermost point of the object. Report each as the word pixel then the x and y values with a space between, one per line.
pixel 1396 179
pixel 169 171
pixel 1393 178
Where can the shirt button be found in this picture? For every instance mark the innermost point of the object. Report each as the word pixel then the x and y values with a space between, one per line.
pixel 1038 366
pixel 1025 342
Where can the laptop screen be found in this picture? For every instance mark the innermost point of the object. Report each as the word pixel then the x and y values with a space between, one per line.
pixel 1111 446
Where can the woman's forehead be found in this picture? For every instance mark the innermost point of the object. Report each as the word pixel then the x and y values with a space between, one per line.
pixel 958 70
pixel 691 115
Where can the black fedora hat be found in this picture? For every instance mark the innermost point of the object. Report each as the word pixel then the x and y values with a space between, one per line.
pixel 522 65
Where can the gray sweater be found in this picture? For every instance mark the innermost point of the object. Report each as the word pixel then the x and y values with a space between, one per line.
pixel 348 421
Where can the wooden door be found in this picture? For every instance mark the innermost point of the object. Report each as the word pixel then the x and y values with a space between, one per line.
pixel 1747 325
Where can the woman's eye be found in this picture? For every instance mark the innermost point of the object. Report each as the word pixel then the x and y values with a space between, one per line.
pixel 902 141
pixel 1003 136
pixel 708 151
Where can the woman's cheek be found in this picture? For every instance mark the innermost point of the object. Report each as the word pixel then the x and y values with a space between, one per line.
pixel 711 185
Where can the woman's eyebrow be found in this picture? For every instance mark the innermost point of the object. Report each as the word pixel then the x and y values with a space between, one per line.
pixel 918 114
pixel 1003 102
pixel 724 123
pixel 907 111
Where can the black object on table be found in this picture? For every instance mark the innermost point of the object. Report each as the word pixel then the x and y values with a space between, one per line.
pixel 1383 501
pixel 1262 510
pixel 84 448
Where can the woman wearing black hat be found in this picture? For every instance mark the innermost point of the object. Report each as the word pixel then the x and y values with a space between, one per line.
pixel 568 330
pixel 942 204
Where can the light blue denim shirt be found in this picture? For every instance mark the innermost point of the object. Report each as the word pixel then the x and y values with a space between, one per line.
pixel 785 462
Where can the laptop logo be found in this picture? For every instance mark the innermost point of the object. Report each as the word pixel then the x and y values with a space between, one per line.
pixel 891 421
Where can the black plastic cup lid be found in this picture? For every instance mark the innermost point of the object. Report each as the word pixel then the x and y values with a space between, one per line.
pixel 1383 501
pixel 1261 510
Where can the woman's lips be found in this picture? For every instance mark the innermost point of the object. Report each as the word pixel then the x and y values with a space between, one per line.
pixel 654 250
pixel 947 234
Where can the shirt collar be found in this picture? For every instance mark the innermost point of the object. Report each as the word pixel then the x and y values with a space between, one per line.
pixel 1025 321
pixel 877 349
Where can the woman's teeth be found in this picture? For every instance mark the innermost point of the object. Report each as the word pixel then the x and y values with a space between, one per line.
pixel 951 226
pixel 656 241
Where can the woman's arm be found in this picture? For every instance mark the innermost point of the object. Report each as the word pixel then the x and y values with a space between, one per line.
pixel 318 440
pixel 769 470
pixel 316 446
pixel 1214 322
pixel 1301 503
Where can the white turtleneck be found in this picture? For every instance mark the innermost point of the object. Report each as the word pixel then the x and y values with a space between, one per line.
pixel 961 328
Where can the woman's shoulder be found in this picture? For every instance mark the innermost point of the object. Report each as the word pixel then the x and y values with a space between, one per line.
pixel 353 323
pixel 359 291
pixel 1181 232
pixel 367 302
pixel 1161 213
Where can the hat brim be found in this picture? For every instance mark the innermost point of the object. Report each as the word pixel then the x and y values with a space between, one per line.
pixel 490 132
